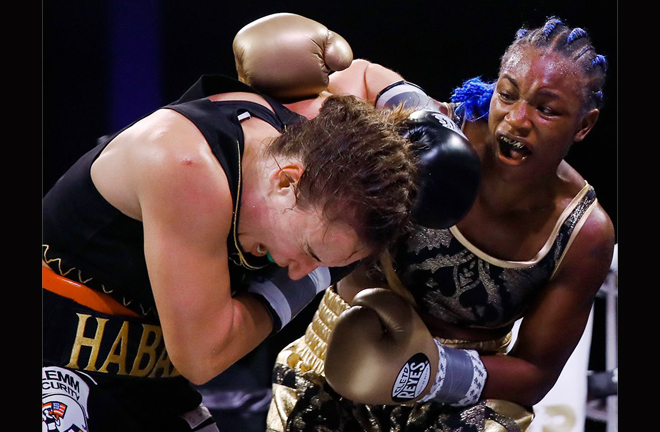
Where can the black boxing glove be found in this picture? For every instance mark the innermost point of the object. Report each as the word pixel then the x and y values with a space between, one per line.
pixel 450 169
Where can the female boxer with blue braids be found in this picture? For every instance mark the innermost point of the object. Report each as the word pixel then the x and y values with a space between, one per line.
pixel 426 354
pixel 535 245
pixel 473 97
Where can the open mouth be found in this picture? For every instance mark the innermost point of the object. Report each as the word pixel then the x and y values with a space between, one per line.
pixel 512 151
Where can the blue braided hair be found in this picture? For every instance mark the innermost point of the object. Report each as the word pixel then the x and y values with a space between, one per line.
pixel 550 26
pixel 573 44
pixel 473 98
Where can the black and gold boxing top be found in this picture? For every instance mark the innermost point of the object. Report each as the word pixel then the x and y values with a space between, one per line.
pixel 88 240
pixel 452 280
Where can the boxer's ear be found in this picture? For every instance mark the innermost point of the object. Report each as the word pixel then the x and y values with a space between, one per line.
pixel 587 123
pixel 284 178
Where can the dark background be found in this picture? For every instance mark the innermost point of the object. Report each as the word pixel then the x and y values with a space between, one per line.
pixel 106 63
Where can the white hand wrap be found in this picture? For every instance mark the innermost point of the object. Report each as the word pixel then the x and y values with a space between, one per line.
pixel 460 379
pixel 285 298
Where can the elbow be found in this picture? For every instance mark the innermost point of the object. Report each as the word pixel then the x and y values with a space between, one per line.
pixel 195 369
pixel 526 396
pixel 197 375
pixel 533 394
pixel 512 379
pixel 198 379
pixel 544 381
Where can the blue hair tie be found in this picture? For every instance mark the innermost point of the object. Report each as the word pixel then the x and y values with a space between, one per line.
pixel 550 26
pixel 576 33
pixel 599 60
pixel 521 33
pixel 474 96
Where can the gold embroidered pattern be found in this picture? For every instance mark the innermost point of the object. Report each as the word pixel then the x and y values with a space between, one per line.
pixel 453 280
pixel 78 277
pixel 429 239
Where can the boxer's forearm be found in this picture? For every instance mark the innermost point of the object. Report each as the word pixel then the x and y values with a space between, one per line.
pixel 363 79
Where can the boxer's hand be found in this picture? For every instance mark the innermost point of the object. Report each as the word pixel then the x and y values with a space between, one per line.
pixel 380 351
pixel 288 56
pixel 450 169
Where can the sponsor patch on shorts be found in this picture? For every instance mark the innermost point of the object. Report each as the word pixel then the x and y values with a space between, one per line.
pixel 64 400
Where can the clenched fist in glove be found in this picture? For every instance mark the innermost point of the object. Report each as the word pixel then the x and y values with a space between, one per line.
pixel 381 353
pixel 450 167
pixel 288 56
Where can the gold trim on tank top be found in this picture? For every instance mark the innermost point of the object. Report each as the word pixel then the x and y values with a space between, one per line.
pixel 544 250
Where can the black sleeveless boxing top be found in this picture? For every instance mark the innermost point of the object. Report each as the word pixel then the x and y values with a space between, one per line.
pixel 88 240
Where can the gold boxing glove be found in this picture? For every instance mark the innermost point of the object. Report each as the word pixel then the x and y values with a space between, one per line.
pixel 288 56
pixel 381 353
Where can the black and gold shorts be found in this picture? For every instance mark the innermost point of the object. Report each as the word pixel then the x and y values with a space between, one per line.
pixel 106 369
pixel 303 401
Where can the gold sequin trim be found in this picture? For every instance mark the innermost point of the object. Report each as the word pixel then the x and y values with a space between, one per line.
pixel 544 250
pixel 308 352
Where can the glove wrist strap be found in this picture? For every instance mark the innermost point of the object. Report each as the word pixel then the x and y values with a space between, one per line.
pixel 460 379
pixel 285 298
pixel 402 93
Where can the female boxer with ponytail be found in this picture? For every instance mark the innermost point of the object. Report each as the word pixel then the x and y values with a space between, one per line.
pixel 426 353
pixel 178 244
